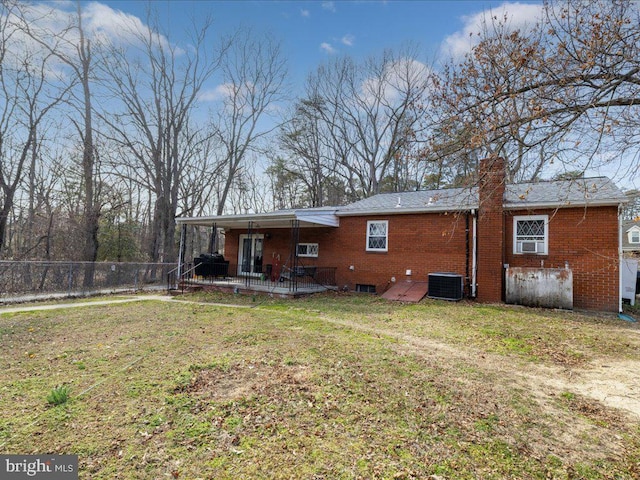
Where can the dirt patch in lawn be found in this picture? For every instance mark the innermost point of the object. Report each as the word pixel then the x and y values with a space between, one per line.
pixel 239 381
pixel 614 383
pixel 190 390
pixel 476 402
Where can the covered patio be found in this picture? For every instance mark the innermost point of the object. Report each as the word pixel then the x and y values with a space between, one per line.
pixel 255 253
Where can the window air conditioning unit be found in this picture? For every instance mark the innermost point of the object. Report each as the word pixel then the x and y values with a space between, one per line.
pixel 445 286
pixel 529 247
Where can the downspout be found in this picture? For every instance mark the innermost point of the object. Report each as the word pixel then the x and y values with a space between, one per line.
pixel 619 260
pixel 474 254
pixel 467 279
pixel 504 254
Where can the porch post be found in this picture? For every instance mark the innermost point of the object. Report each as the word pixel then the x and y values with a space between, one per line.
pixel 181 252
pixel 247 275
pixel 213 241
pixel 295 237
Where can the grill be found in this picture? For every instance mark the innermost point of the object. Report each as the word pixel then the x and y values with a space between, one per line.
pixel 211 265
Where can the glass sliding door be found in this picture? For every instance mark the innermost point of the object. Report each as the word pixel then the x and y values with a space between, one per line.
pixel 250 253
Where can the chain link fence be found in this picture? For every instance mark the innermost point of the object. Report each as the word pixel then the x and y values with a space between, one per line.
pixel 34 280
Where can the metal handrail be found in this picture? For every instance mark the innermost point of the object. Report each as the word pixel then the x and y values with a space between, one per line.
pixel 183 275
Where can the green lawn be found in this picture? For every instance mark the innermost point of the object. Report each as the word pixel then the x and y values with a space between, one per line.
pixel 331 386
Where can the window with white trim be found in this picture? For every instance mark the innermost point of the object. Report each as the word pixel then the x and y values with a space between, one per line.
pixel 531 234
pixel 377 235
pixel 634 235
pixel 307 249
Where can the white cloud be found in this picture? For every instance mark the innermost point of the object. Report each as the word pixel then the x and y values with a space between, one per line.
pixel 111 25
pixel 100 22
pixel 520 15
pixel 326 47
pixel 329 6
pixel 118 27
pixel 395 78
pixel 218 93
pixel 226 91
pixel 305 13
pixel 64 3
pixel 348 40
pixel 49 21
pixel 21 48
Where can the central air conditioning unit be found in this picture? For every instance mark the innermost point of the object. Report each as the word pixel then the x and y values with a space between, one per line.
pixel 445 286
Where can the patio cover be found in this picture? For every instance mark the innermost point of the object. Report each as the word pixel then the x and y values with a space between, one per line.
pixel 308 217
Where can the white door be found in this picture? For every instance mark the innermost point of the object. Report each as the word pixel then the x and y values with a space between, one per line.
pixel 250 254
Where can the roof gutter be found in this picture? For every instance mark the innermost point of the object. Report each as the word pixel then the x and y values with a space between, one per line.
pixel 507 206
pixel 620 256
pixel 397 211
pixel 318 217
pixel 532 206
pixel 247 217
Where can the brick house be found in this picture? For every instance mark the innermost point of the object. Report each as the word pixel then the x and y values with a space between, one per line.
pixel 475 233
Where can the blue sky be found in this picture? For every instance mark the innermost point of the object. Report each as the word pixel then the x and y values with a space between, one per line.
pixel 312 31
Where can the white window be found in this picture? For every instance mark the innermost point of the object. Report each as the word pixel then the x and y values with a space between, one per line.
pixel 307 249
pixel 531 234
pixel 634 235
pixel 377 235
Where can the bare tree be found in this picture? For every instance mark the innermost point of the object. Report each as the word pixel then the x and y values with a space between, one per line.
pixel 156 87
pixel 367 118
pixel 28 95
pixel 254 72
pixel 200 175
pixel 288 186
pixel 82 69
pixel 73 49
pixel 249 193
pixel 306 141
pixel 565 90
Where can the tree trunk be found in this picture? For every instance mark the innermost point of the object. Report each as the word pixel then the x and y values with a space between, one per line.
pixel 91 213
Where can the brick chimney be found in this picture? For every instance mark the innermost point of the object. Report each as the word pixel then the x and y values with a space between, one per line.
pixel 491 185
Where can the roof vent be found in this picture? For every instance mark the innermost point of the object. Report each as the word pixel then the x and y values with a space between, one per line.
pixel 399 203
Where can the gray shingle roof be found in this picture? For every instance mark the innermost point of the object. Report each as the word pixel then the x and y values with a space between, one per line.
pixel 450 199
pixel 551 194
pixel 582 191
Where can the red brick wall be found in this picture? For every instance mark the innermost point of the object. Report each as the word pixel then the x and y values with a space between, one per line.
pixel 277 244
pixel 588 240
pixel 426 243
pixel 490 230
pixel 421 243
